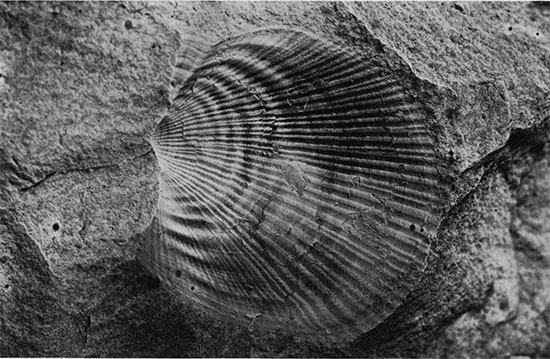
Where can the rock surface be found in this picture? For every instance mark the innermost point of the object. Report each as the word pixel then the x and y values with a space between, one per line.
pixel 82 85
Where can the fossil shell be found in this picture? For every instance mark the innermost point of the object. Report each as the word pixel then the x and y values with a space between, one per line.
pixel 298 185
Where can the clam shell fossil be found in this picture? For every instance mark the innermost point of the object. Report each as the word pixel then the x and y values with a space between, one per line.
pixel 298 185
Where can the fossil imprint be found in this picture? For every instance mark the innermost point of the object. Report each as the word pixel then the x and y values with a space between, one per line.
pixel 298 185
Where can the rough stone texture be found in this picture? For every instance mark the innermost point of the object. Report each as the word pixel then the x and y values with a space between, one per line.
pixel 82 85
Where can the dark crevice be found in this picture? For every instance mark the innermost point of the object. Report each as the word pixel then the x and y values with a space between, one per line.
pixel 527 248
pixel 51 174
pixel 85 169
pixel 25 189
pixel 520 143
